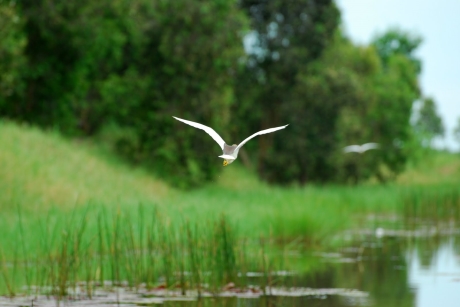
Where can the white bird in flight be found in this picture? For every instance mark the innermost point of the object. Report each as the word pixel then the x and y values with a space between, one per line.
pixel 360 148
pixel 230 152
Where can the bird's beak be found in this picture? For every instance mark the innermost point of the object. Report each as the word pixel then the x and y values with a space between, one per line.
pixel 225 163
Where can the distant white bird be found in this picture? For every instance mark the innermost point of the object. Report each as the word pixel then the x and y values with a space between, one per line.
pixel 360 148
pixel 230 152
pixel 379 232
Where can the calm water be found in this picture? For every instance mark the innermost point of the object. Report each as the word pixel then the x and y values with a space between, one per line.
pixel 435 276
pixel 384 267
pixel 405 268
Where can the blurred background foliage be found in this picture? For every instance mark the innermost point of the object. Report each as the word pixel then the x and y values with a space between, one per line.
pixel 115 71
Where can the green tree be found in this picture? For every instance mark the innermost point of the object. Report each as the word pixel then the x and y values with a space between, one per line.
pixel 428 123
pixel 316 103
pixel 396 88
pixel 131 64
pixel 187 66
pixel 346 96
pixel 396 41
pixel 331 92
pixel 71 47
pixel 355 123
pixel 12 59
pixel 286 36
pixel 456 131
pixel 378 109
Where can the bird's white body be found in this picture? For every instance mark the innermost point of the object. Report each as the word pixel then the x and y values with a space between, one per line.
pixel 230 153
pixel 360 148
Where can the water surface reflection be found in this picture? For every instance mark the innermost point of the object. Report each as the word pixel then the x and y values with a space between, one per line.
pixel 394 270
pixel 436 276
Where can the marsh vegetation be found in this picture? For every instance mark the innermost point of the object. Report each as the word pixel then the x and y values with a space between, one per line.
pixel 135 233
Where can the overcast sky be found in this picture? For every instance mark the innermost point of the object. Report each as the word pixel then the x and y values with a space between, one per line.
pixel 438 22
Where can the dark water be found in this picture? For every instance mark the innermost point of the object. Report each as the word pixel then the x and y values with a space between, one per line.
pixel 394 268
pixel 378 267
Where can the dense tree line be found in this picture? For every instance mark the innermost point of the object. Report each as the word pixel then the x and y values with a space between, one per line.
pixel 119 69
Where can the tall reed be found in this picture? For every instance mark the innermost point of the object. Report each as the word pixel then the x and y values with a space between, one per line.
pixel 142 249
pixel 435 203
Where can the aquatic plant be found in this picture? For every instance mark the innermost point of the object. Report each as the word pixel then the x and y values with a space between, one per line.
pixel 144 249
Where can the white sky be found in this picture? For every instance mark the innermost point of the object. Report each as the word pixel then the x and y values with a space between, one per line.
pixel 438 22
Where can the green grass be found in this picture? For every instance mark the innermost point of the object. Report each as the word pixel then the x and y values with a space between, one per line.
pixel 73 204
pixel 42 172
pixel 435 168
pixel 132 247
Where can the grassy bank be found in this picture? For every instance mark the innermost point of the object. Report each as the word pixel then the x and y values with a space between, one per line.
pixel 42 172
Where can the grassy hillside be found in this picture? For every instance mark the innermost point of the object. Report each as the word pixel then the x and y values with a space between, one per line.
pixel 42 171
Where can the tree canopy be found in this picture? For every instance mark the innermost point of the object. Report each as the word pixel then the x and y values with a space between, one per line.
pixel 456 131
pixel 397 41
pixel 428 123
pixel 117 71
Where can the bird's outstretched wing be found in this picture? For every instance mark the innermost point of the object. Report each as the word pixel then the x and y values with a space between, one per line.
pixel 368 146
pixel 352 148
pixel 259 133
pixel 206 129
